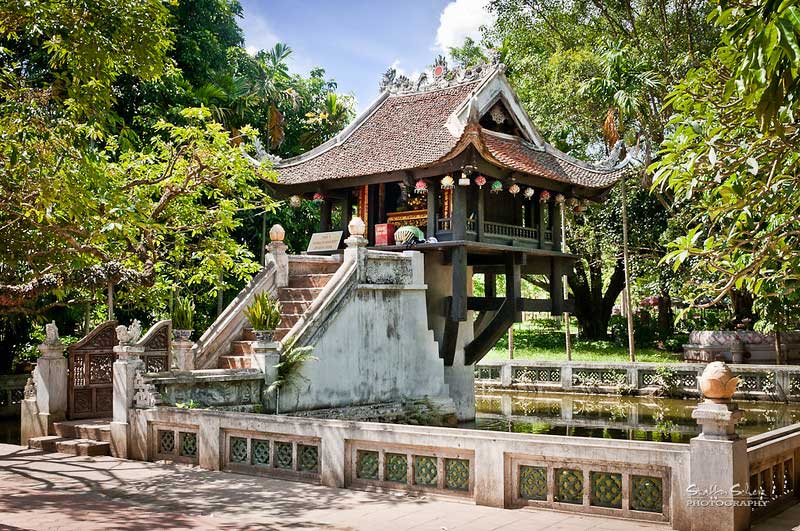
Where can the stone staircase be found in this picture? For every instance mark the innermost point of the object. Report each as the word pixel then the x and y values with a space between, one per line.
pixel 76 437
pixel 306 281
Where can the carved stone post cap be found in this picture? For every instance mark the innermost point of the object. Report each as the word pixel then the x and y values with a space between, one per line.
pixel 52 350
pixel 356 241
pixel 126 352
pixel 717 420
pixel 357 227
pixel 718 382
pixel 277 233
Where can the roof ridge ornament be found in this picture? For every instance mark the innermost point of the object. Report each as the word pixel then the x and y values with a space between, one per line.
pixel 440 77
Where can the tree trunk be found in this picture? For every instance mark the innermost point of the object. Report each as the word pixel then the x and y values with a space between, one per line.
pixel 743 315
pixel 778 349
pixel 666 318
pixel 593 306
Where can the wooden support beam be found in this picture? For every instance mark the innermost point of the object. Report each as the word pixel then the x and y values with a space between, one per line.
pixel 481 217
pixel 489 304
pixel 556 221
pixel 542 225
pixel 347 212
pixel 458 261
pixel 372 212
pixel 459 216
pixel 556 287
pixel 514 283
pixel 447 349
pixel 325 215
pixel 492 332
pixel 490 284
pixel 433 207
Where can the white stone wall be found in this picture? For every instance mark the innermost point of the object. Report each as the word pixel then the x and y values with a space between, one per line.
pixel 373 346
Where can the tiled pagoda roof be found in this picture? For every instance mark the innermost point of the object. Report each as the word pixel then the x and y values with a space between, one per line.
pixel 405 131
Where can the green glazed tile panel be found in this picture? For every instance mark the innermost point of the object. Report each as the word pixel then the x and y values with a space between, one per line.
pixel 569 485
pixel 283 455
pixel 307 458
pixel 166 442
pixel 425 471
pixel 366 464
pixel 533 483
pixel 396 468
pixel 238 450
pixel 606 489
pixel 456 474
pixel 260 452
pixel 647 494
pixel 188 444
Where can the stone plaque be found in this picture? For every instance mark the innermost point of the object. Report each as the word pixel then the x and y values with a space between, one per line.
pixel 325 241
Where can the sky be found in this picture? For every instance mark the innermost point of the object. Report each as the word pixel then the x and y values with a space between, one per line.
pixel 356 41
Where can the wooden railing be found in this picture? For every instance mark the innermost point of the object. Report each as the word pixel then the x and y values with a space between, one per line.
pixel 511 231
pixel 444 224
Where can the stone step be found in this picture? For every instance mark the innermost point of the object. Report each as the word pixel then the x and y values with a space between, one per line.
pixel 288 320
pixel 241 348
pixel 46 444
pixel 83 447
pixel 309 280
pixel 235 362
pixel 298 294
pixel 295 306
pixel 280 333
pixel 96 429
pixel 297 267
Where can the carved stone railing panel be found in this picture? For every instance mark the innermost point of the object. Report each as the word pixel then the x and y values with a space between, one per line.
pixel 415 468
pixel 487 373
pixel 599 377
pixel 178 444
pixel 613 489
pixel 532 375
pixel 255 453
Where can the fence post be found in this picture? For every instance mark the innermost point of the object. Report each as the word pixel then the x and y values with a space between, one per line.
pixel 50 378
pixel 506 375
pixel 277 255
pixel 719 466
pixel 128 363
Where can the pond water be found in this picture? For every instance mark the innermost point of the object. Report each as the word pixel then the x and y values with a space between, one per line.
pixel 614 417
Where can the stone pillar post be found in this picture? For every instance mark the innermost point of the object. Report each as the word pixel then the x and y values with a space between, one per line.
pixel 506 375
pixel 128 363
pixel 276 253
pixel 50 378
pixel 184 354
pixel 566 377
pixel 718 457
pixel 356 250
pixel 266 356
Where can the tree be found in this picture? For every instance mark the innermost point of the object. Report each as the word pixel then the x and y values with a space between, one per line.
pixel 468 54
pixel 612 50
pixel 732 163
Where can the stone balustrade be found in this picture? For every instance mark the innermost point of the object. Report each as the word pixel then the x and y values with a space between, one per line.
pixel 739 346
pixel 779 382
pixel 12 388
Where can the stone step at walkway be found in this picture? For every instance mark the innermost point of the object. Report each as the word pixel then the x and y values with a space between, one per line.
pixel 235 362
pixel 298 294
pixel 94 429
pixel 315 280
pixel 63 445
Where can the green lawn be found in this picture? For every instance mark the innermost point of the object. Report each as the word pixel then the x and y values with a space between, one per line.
pixel 588 351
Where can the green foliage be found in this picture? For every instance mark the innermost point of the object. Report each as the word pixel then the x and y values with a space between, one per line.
pixel 183 314
pixel 292 360
pixel 264 313
pixel 191 404
pixel 645 331
pixel 468 55
pixel 732 164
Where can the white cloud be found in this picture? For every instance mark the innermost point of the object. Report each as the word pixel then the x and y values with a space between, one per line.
pixel 258 34
pixel 403 72
pixel 461 19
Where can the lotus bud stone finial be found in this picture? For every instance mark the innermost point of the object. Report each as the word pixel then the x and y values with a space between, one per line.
pixel 718 382
pixel 357 226
pixel 276 233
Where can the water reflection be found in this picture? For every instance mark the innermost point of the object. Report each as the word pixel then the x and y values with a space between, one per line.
pixel 615 417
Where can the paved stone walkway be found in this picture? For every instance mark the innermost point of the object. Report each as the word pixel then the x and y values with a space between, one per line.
pixel 57 492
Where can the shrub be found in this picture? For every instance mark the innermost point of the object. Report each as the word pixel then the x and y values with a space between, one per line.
pixel 264 313
pixel 534 339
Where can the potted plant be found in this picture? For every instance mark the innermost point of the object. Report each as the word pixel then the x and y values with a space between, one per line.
pixel 264 314
pixel 288 368
pixel 183 318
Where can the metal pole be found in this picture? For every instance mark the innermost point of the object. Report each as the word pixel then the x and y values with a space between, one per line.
pixel 627 298
pixel 567 334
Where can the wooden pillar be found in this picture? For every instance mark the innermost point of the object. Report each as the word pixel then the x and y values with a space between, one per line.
pixel 458 260
pixel 556 287
pixel 347 212
pixel 490 285
pixel 381 215
pixel 530 206
pixel 556 221
pixel 372 212
pixel 481 213
pixel 517 210
pixel 325 215
pixel 514 283
pixel 433 207
pixel 459 218
pixel 542 227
